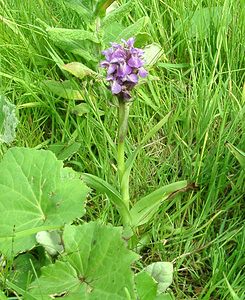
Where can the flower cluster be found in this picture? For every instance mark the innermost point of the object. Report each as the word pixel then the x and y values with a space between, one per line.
pixel 124 65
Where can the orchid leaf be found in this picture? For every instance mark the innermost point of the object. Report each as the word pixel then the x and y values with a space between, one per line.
pixel 104 187
pixel 37 194
pixel 146 207
pixel 101 6
pixel 79 70
pixel 64 89
pixel 96 265
pixel 118 13
pixel 133 29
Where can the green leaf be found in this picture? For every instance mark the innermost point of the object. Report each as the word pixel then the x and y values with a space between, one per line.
pixel 146 207
pixel 239 154
pixel 77 41
pixel 64 151
pixel 232 292
pixel 133 29
pixel 152 53
pixel 63 89
pixel 8 121
pixel 146 286
pixel 51 241
pixel 2 296
pixel 79 8
pixel 23 270
pixel 104 187
pixel 142 39
pixel 162 273
pixel 111 31
pixel 79 70
pixel 37 194
pixel 79 35
pixel 96 265
pixel 118 13
pixel 101 6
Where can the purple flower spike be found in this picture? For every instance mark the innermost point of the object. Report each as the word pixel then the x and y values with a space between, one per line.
pixel 124 64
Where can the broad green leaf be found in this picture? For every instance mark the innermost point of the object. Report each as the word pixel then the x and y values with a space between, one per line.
pixel 101 6
pixel 152 53
pixel 51 241
pixel 8 121
pixel 162 273
pixel 104 187
pixel 96 265
pixel 239 154
pixel 37 194
pixel 77 41
pixel 63 89
pixel 79 70
pixel 133 29
pixel 146 286
pixel 64 151
pixel 146 207
pixel 118 13
pixel 23 268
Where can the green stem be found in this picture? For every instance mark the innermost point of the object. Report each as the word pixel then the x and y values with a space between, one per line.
pixel 123 113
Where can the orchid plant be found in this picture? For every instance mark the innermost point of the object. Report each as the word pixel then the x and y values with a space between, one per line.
pixel 38 210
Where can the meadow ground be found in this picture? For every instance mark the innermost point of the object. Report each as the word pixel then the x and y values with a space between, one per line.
pixel 199 79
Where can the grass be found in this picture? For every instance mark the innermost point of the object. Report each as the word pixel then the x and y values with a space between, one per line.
pixel 200 79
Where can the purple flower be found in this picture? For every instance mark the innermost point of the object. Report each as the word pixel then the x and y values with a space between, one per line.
pixel 124 65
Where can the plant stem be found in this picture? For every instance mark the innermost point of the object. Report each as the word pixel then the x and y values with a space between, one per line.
pixel 123 113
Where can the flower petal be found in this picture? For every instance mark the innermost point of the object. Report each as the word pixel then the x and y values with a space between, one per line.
pixel 135 62
pixel 124 70
pixel 132 78
pixel 116 88
pixel 130 42
pixel 142 72
pixel 112 68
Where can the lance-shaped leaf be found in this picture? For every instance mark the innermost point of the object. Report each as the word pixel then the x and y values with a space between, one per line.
pixel 101 6
pixel 118 13
pixel 95 265
pixel 37 194
pixel 104 187
pixel 146 207
pixel 77 41
pixel 64 89
pixel 79 70
pixel 239 154
pixel 133 29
